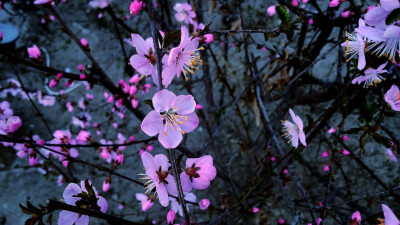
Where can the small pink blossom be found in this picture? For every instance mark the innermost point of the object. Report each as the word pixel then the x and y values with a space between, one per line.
pixel 5 110
pixel 172 117
pixel 294 131
pixel 392 97
pixel 170 216
pixel 255 210
pixel 345 14
pixel 204 204
pixel 372 76
pixel 334 3
pixel 332 130
pixel 207 39
pixel 184 13
pixel 310 21
pixel 345 152
pixel 281 221
pixel 295 3
pixel 158 177
pixel 199 173
pixel 35 53
pixel 135 7
pixel 10 125
pixel 324 154
pixel 326 168
pixel 198 106
pixel 84 43
pixel 53 83
pixel 106 184
pixel 83 137
pixel 271 10
pixel 182 58
pixel 345 138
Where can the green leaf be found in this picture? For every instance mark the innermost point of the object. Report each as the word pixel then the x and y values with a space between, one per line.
pixel 283 14
pixel 393 16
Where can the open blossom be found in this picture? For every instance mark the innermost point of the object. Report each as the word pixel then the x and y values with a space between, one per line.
pixel 184 13
pixel 10 125
pixel 176 207
pixel 172 117
pixel 392 97
pixel 158 177
pixel 182 58
pixel 199 173
pixel 355 45
pixel 47 100
pixel 146 201
pixel 390 218
pixel 5 110
pixel 34 52
pixel 135 7
pixel 294 131
pixel 356 218
pixel 71 197
pixel 371 77
pixel 145 59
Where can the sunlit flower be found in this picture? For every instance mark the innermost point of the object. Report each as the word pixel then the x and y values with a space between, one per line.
pixel 372 76
pixel 294 131
pixel 172 116
pixel 392 97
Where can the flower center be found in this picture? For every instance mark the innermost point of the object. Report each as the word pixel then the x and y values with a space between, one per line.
pixel 192 171
pixel 173 120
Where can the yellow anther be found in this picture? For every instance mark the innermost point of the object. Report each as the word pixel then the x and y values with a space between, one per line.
pixel 165 133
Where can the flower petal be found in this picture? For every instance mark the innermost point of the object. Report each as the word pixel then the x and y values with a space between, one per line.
pixel 162 100
pixel 141 197
pixel 83 220
pixel 168 74
pixel 183 104
pixel 142 47
pixel 70 190
pixel 102 202
pixel 390 218
pixel 162 195
pixel 162 161
pixel 186 184
pixel 201 183
pixel 170 137
pixel 67 217
pixel 152 123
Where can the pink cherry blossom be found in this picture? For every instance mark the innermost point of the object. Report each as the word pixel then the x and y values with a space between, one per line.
pixel 135 7
pixel 324 154
pixel 294 131
pixel 182 58
pixel 345 138
pixel 390 218
pixel 170 216
pixel 184 13
pixel 145 201
pixel 145 60
pixel 158 177
pixel 34 52
pixel 334 3
pixel 281 221
pixel 332 130
pixel 392 97
pixel 106 184
pixel 70 196
pixel 84 42
pixel 255 210
pixel 199 173
pixel 345 152
pixel 326 168
pixel 372 76
pixel 176 207
pixel 10 125
pixel 172 117
pixel 204 204
pixel 47 100
pixel 39 2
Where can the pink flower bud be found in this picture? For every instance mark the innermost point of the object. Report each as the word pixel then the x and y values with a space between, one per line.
pixel 132 90
pixel 131 138
pixel 264 49
pixel 1 36
pixel 208 38
pixel 345 152
pixel 68 83
pixel 40 142
pixel 53 83
pixel 119 103
pixel 255 210
pixel 150 148
pixel 82 76
pixel 345 138
pixel 84 43
pixel 204 203
pixel 295 3
pixel 198 106
pixel 34 52
pixel 106 186
pixel 346 14
pixel 305 1
pixel 32 160
pixel 110 99
pixel 285 171
pixel 135 103
pixel 310 21
pixel 281 221
pixel 272 158
pixel 134 79
pixel 81 67
pixel 356 218
pixel 65 163
pixel 135 7
pixel 332 130
pixel 171 217
pixel 59 75
pixel 271 10
pixel 52 18
pixel 324 154
pixel 120 159
pixel 326 168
